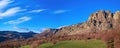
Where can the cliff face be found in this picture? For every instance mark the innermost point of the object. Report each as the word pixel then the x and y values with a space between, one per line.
pixel 116 18
pixel 98 21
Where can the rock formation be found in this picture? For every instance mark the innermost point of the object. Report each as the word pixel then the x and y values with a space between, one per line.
pixel 98 21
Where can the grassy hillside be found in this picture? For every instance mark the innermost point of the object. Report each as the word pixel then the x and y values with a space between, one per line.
pixel 76 44
pixel 27 46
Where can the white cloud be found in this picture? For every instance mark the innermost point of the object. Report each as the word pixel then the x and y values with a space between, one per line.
pixel 60 11
pixel 40 10
pixel 18 21
pixel 43 29
pixel 4 3
pixel 10 12
pixel 21 29
pixel 16 28
pixel 62 27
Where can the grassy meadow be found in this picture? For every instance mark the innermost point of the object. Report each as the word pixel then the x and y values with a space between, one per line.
pixel 73 44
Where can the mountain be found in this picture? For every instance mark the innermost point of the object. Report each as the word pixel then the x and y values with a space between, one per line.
pixel 101 25
pixel 13 35
pixel 98 21
pixel 46 33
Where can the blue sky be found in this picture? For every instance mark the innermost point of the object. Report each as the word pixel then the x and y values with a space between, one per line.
pixel 37 15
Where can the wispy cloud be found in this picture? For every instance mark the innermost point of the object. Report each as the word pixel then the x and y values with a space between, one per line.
pixel 62 27
pixel 10 12
pixel 4 3
pixel 60 11
pixel 18 21
pixel 39 10
pixel 13 10
pixel 21 29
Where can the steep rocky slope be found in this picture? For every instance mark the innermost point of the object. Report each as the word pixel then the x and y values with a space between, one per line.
pixel 98 21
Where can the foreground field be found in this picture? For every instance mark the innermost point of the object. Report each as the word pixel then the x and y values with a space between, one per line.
pixel 74 44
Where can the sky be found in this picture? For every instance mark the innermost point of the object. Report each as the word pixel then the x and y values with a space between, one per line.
pixel 37 15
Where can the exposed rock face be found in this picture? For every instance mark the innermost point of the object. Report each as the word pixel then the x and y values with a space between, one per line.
pixel 101 20
pixel 116 18
pixel 98 21
pixel 46 33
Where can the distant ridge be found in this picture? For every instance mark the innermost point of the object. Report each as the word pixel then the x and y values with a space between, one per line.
pixel 14 35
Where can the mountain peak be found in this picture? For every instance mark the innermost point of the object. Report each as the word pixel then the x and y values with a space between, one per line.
pixel 101 15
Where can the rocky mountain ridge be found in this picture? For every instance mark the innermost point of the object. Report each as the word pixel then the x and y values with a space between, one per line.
pixel 98 21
